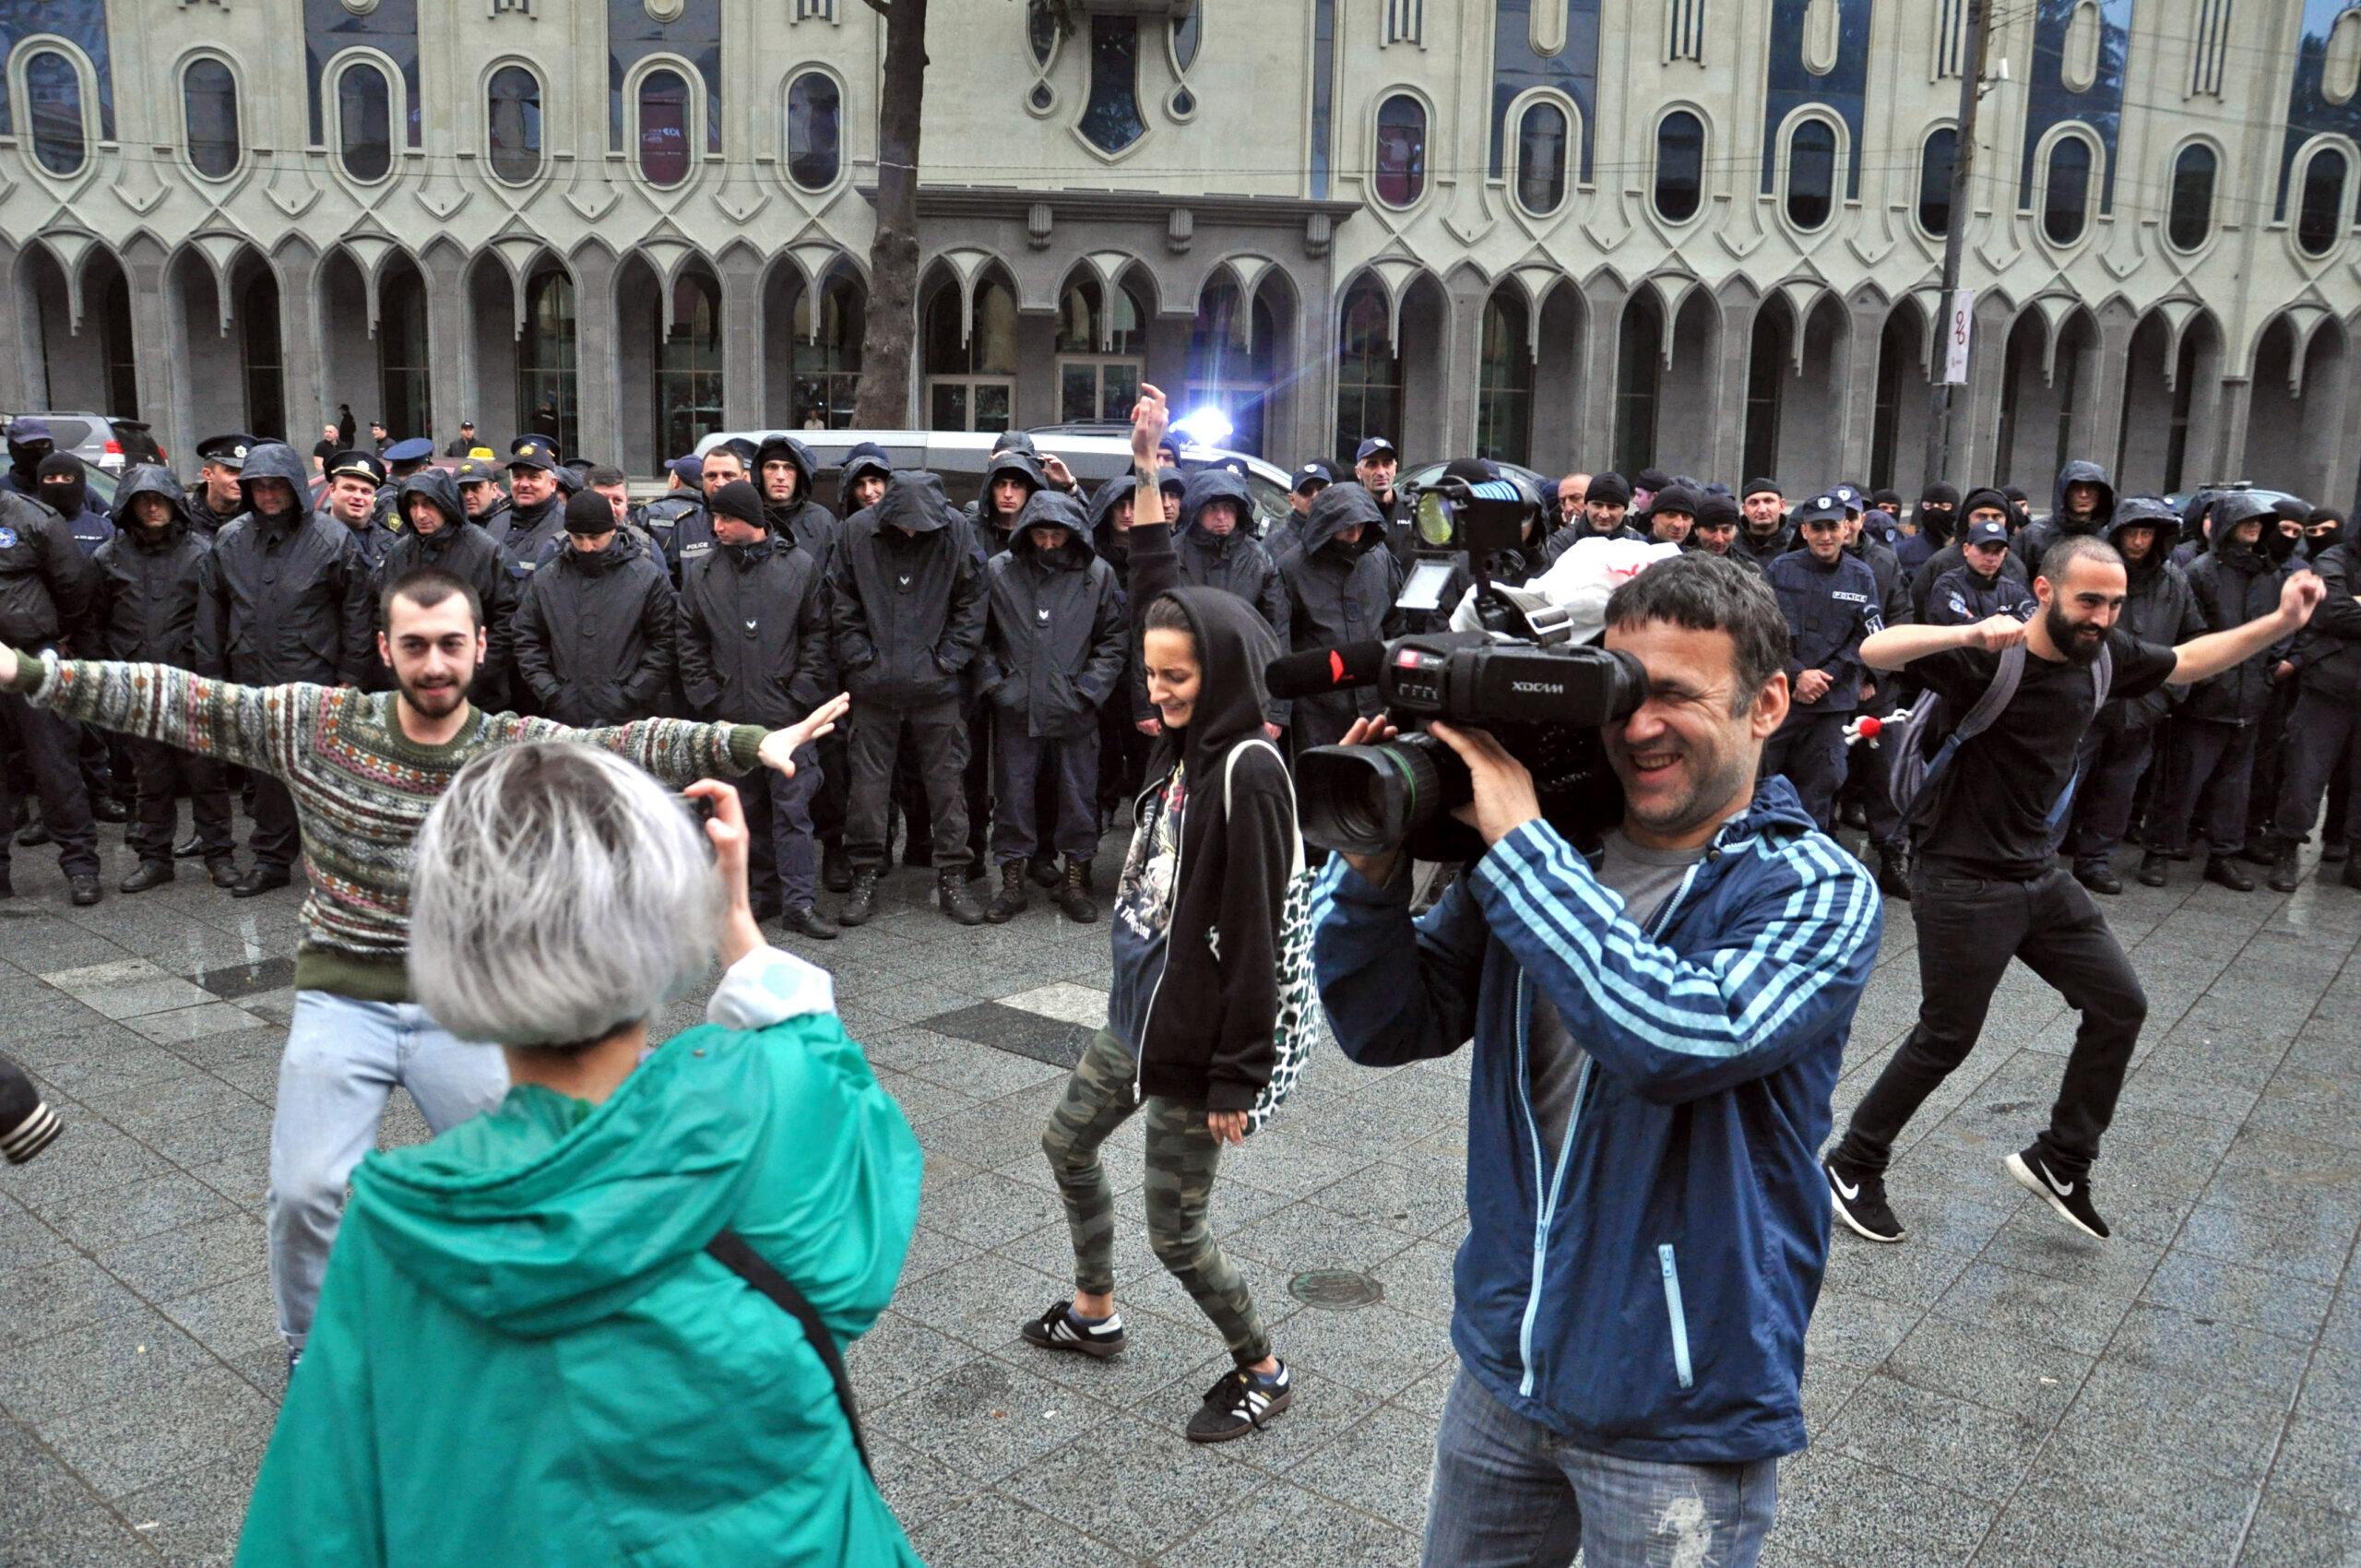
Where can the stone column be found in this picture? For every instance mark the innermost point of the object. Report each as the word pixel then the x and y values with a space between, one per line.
pixel 597 357
pixel 160 373
pixel 1976 453
pixel 1735 338
pixel 1856 396
pixel 302 349
pixel 742 402
pixel 450 347
pixel 1463 361
pixel 1601 355
pixel 2097 429
pixel 2232 410
pixel 20 368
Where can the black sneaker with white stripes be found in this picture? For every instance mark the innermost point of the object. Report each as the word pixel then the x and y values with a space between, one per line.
pixel 27 1124
pixel 1059 1329
pixel 1242 1402
pixel 2071 1200
pixel 1858 1197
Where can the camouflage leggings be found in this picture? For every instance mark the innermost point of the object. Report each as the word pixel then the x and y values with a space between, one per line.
pixel 1182 1157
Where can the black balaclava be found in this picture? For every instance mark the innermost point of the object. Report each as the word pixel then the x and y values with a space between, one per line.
pixel 63 484
pixel 1941 524
pixel 24 460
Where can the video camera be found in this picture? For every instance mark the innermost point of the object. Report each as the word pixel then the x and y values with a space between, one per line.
pixel 1521 678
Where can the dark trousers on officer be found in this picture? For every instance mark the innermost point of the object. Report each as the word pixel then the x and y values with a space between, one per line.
pixel 1869 780
pixel 2103 803
pixel 782 857
pixel 977 778
pixel 2323 735
pixel 51 749
pixel 1968 930
pixel 277 836
pixel 939 734
pixel 2272 737
pixel 1022 765
pixel 159 773
pixel 836 778
pixel 1809 749
pixel 2209 766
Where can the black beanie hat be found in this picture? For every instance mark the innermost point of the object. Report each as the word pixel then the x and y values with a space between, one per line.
pixel 1715 509
pixel 589 512
pixel 1984 497
pixel 1609 489
pixel 740 500
pixel 1755 487
pixel 1939 494
pixel 1652 479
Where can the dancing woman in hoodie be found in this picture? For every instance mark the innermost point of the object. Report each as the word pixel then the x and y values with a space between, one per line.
pixel 1189 1016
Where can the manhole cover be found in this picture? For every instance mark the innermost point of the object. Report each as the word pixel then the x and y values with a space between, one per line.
pixel 1337 1289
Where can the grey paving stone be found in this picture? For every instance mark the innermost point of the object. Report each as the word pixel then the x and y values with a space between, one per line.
pixel 71 1293
pixel 2018 1301
pixel 1859 1329
pixel 131 1443
pixel 2179 1344
pixel 2180 1424
pixel 2208 1288
pixel 1304 1236
pixel 915 1488
pixel 2032 1537
pixel 49 1518
pixel 89 1156
pixel 1280 1526
pixel 986 1417
pixel 198 1022
pixel 980 1300
pixel 1397 1197
pixel 195 1517
pixel 2318 1460
pixel 1166 1490
pixel 1382 1349
pixel 988 1209
pixel 991 1531
pixel 229 1319
pixel 1967 1448
pixel 1419 1280
pixel 1382 1464
pixel 2123 1493
pixel 1855 1513
pixel 180 1262
pixel 2292 1531
pixel 114 1358
pixel 153 1107
pixel 2000 1371
pixel 1913 1275
pixel 2332 1389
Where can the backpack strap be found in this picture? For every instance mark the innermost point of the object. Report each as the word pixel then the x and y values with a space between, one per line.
pixel 2102 680
pixel 1229 772
pixel 1976 719
pixel 731 1250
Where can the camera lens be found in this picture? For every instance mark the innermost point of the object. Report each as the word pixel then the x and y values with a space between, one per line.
pixel 1434 520
pixel 1363 800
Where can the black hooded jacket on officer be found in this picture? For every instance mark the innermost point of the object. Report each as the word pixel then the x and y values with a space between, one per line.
pixel 1054 627
pixel 753 623
pixel 151 581
pixel 1236 560
pixel 1338 591
pixel 798 519
pixel 287 596
pixel 469 554
pixel 597 631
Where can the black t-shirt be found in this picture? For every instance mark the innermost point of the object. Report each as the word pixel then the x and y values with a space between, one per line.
pixel 326 451
pixel 1989 815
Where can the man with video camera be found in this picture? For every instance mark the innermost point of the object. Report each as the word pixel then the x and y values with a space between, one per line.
pixel 1657 1034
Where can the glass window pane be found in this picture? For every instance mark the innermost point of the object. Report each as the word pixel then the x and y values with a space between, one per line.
pixel 1078 319
pixel 946 406
pixel 1541 159
pixel 2321 218
pixel 993 349
pixel 992 400
pixel 2070 191
pixel 2192 208
pixel 1111 118
pixel 1078 392
pixel 365 122
pixel 546 394
pixel 1680 166
pixel 1401 150
pixel 515 138
pixel 1119 390
pixel 54 90
pixel 813 118
pixel 664 131
pixel 210 108
pixel 1812 173
pixel 1935 180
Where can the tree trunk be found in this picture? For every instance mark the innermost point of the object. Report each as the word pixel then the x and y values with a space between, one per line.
pixel 883 400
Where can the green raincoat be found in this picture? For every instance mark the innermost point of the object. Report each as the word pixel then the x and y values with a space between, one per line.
pixel 522 1355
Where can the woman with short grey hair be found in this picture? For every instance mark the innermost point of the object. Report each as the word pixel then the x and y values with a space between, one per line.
pixel 544 1287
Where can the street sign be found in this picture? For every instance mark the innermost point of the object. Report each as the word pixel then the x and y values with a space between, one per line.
pixel 1955 335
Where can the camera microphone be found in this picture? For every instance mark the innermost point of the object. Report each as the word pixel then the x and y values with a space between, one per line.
pixel 1319 669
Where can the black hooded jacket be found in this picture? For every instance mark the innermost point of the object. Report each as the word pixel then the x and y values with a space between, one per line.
pixel 754 635
pixel 907 611
pixel 285 597
pixel 148 584
pixel 2159 607
pixel 2235 584
pixel 1205 1039
pixel 1236 560
pixel 1014 462
pixel 467 553
pixel 595 634
pixel 1114 547
pixel 2033 540
pixel 198 504
pixel 1338 593
pixel 2328 651
pixel 47 585
pixel 1055 631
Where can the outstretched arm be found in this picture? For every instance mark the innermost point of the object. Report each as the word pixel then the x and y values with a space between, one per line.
pixel 2217 651
pixel 1897 645
pixel 252 726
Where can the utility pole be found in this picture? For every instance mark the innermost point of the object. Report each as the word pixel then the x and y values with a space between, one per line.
pixel 1943 408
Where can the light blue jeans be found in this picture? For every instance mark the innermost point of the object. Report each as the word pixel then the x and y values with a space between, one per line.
pixel 1507 1493
pixel 343 1058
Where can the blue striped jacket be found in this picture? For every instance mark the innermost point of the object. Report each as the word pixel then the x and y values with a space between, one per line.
pixel 1643 1288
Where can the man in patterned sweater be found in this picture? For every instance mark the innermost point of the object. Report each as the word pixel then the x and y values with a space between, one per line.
pixel 364 768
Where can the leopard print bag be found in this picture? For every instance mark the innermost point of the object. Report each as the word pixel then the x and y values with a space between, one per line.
pixel 1297 1026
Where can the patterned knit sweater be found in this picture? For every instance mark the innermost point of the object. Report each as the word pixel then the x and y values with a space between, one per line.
pixel 362 788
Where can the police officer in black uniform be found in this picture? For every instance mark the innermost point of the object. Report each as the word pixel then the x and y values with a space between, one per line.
pixel 215 498
pixel 47 590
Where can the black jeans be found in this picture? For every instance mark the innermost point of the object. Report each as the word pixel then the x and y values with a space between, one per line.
pixel 976 786
pixel 160 771
pixel 2272 739
pixel 1809 749
pixel 2209 766
pixel 2323 736
pixel 938 735
pixel 50 747
pixel 2103 802
pixel 277 832
pixel 1968 930
pixel 1022 765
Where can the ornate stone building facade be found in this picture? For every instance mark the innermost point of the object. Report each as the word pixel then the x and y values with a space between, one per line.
pixel 1696 232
